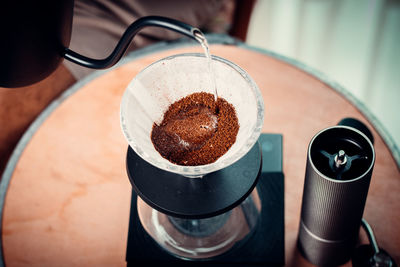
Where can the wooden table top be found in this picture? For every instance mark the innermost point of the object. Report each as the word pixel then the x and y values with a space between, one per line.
pixel 68 194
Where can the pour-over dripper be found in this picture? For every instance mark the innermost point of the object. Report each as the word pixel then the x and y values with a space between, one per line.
pixel 162 83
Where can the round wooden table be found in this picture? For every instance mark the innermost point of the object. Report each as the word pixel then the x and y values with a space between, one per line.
pixel 67 195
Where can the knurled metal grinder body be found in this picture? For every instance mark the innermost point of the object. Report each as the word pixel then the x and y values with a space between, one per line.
pixel 332 208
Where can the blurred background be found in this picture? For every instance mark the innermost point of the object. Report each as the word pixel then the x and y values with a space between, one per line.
pixel 353 42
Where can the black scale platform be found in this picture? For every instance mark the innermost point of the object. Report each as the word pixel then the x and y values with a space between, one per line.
pixel 263 247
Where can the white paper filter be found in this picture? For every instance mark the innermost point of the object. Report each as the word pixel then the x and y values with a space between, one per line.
pixel 155 88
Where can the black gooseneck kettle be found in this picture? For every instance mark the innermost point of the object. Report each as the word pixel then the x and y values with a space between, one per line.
pixel 35 36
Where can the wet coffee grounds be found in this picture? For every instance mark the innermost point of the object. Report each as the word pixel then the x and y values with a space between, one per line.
pixel 196 130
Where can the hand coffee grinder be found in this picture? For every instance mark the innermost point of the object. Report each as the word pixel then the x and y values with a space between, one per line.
pixel 226 212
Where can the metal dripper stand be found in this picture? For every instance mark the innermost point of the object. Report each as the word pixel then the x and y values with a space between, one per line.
pixel 223 218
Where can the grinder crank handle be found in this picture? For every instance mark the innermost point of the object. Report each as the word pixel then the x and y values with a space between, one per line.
pixel 371 255
pixel 352 122
pixel 126 39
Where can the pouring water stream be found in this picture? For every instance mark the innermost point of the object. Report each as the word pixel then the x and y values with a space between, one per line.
pixel 199 36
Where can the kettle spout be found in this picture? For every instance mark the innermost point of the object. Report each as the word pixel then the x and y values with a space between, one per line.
pixel 131 31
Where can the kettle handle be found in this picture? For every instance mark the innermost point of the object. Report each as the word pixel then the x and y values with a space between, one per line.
pixel 127 37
